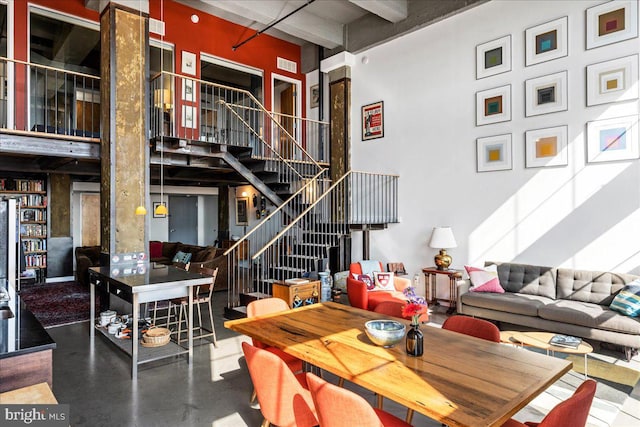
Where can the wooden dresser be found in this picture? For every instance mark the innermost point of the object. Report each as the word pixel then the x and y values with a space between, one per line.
pixel 297 295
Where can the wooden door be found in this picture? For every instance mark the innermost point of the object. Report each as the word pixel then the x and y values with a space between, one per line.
pixel 287 106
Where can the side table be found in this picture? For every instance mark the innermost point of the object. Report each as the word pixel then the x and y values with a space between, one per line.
pixel 430 274
pixel 297 295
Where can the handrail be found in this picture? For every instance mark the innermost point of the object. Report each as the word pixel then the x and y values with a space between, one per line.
pixel 291 116
pixel 278 209
pixel 47 67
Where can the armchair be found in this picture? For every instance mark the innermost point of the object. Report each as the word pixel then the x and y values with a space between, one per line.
pixel 357 291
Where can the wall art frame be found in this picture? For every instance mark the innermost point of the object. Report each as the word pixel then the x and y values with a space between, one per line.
pixel 546 94
pixel 188 90
pixel 242 211
pixel 373 121
pixel 493 153
pixel 613 139
pixel 314 96
pixel 155 206
pixel 546 147
pixel 493 57
pixel 612 81
pixel 547 41
pixel 188 63
pixel 189 117
pixel 611 22
pixel 493 105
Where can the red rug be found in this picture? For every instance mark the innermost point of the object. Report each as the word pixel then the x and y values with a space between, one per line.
pixel 56 304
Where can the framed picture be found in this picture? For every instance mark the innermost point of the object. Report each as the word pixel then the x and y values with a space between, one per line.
pixel 612 22
pixel 188 92
pixel 155 206
pixel 493 57
pixel 613 139
pixel 242 211
pixel 494 153
pixel 546 147
pixel 545 42
pixel 314 101
pixel 188 63
pixel 373 121
pixel 493 105
pixel 546 94
pixel 612 81
pixel 189 119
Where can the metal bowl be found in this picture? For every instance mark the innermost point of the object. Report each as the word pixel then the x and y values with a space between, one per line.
pixel 385 333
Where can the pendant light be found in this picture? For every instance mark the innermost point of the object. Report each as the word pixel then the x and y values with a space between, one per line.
pixel 161 209
pixel 141 209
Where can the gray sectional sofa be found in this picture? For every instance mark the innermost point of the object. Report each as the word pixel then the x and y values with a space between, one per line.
pixel 561 300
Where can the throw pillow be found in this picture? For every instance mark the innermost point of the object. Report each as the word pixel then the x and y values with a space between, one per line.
pixel 155 249
pixel 627 301
pixel 484 279
pixel 183 257
pixel 366 279
pixel 383 281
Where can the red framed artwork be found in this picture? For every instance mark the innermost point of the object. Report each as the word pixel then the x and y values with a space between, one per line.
pixel 373 121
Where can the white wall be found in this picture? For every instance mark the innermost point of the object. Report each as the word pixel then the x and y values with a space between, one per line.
pixel 579 216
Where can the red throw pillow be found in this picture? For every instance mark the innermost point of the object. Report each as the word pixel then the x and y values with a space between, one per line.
pixel 155 249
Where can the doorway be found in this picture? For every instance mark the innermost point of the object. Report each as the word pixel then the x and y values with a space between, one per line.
pixel 183 219
pixel 286 104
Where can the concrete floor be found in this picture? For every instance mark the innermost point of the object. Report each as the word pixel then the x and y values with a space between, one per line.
pixel 213 391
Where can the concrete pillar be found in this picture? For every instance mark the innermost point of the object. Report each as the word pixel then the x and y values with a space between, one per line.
pixel 124 146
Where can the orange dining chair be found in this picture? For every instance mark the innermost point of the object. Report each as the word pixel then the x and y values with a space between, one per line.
pixel 284 398
pixel 394 309
pixel 339 407
pixel 472 326
pixel 573 412
pixel 263 307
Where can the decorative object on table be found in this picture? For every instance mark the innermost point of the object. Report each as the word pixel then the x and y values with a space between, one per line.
pixel 493 153
pixel 565 341
pixel 416 306
pixel 493 57
pixel 546 147
pixel 546 41
pixel 373 121
pixel 612 81
pixel 493 105
pixel 613 139
pixel 442 238
pixel 546 94
pixel 385 333
pixel 611 22
pixel 326 283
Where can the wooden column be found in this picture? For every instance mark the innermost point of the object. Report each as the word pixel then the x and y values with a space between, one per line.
pixel 223 214
pixel 340 102
pixel 60 206
pixel 124 153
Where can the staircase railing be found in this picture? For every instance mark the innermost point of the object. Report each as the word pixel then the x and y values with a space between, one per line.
pixel 302 245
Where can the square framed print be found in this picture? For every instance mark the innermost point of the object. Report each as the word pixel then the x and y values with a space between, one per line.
pixel 613 139
pixel 373 121
pixel 546 147
pixel 611 22
pixel 188 63
pixel 612 81
pixel 547 41
pixel 493 57
pixel 493 105
pixel 546 94
pixel 494 153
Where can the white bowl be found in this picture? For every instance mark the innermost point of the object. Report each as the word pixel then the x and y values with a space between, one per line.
pixel 385 333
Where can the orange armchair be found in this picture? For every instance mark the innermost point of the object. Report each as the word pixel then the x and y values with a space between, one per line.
pixel 360 297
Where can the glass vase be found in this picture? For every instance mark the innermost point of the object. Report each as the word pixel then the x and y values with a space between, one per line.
pixel 415 341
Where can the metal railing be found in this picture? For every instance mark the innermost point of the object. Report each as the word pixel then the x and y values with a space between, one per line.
pixel 313 134
pixel 302 244
pixel 57 101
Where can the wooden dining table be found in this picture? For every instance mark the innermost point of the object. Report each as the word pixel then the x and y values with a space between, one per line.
pixel 459 380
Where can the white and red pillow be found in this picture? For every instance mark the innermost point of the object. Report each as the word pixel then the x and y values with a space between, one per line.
pixel 366 279
pixel 383 281
pixel 484 279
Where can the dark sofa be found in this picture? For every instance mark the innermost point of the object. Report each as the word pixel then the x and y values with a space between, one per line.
pixel 162 253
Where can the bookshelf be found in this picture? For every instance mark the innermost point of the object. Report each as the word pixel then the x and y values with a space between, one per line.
pixel 31 196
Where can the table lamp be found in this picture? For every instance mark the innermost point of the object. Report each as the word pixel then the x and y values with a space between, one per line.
pixel 442 237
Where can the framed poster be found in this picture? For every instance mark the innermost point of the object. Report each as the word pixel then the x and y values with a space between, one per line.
pixel 546 147
pixel 494 153
pixel 189 119
pixel 314 100
pixel 613 139
pixel 612 81
pixel 188 90
pixel 493 105
pixel 545 42
pixel 373 121
pixel 612 22
pixel 155 206
pixel 242 211
pixel 546 94
pixel 188 63
pixel 493 57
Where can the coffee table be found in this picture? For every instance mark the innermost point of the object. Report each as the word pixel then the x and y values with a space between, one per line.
pixel 541 340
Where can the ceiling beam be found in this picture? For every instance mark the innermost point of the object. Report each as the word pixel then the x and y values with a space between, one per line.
pixel 390 10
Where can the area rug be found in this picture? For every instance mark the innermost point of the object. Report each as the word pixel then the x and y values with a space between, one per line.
pixel 57 304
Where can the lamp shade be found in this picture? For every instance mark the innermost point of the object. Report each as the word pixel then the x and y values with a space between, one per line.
pixel 162 98
pixel 442 238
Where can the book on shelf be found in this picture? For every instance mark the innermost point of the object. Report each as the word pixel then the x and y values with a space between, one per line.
pixel 565 341
pixel 297 281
